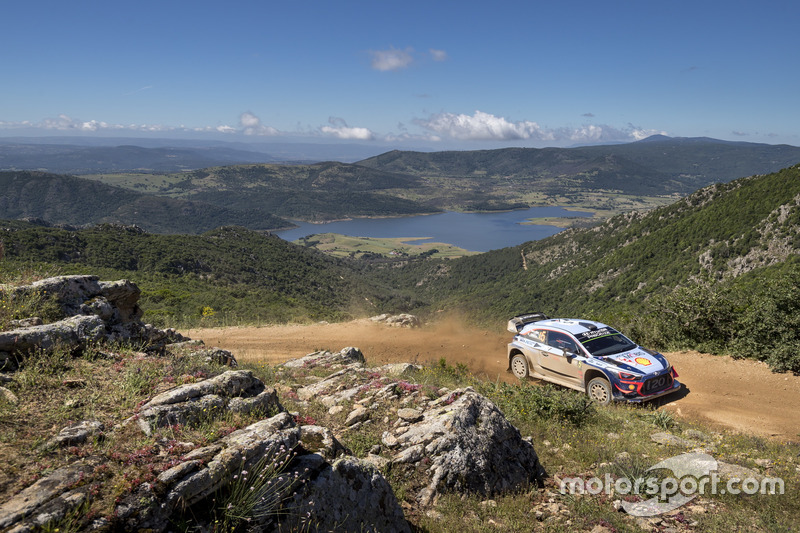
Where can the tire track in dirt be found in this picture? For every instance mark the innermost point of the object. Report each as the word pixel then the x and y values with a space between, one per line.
pixel 739 395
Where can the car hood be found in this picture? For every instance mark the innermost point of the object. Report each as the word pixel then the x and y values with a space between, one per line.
pixel 638 360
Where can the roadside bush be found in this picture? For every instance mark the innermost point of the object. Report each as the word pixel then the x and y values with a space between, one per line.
pixel 768 327
pixel 528 401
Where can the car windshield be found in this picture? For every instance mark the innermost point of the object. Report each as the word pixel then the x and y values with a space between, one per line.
pixel 608 343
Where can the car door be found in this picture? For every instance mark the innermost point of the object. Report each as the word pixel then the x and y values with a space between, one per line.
pixel 554 361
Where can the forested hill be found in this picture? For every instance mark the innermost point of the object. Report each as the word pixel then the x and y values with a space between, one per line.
pixel 655 165
pixel 717 270
pixel 69 200
pixel 233 273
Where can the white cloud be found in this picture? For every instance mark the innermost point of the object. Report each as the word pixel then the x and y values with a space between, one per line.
pixel 251 125
pixel 482 126
pixel 487 127
pixel 341 130
pixel 438 55
pixel 391 59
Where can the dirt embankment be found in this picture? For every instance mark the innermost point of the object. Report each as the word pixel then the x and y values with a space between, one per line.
pixel 741 395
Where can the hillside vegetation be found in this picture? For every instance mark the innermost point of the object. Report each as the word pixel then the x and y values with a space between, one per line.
pixel 717 271
pixel 227 276
pixel 60 199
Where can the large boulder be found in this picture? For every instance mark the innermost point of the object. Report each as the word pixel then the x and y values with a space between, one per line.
pixel 71 333
pixel 114 301
pixel 91 311
pixel 464 443
pixel 348 495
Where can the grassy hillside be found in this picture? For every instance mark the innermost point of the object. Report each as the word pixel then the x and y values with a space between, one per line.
pixel 713 271
pixel 226 276
pixel 75 201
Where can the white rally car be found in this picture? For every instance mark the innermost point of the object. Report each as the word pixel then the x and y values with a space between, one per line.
pixel 587 356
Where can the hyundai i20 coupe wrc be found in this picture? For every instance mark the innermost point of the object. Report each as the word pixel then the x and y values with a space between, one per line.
pixel 587 356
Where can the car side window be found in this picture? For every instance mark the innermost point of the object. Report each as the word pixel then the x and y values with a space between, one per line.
pixel 562 341
pixel 538 335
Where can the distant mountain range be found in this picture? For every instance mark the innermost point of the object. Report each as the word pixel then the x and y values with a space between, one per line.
pixel 263 196
pixel 655 165
pixel 91 155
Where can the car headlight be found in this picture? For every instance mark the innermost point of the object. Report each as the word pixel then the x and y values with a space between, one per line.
pixel 624 375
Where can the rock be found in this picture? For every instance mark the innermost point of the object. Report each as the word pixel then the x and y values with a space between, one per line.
pixel 359 414
pixel 8 396
pixel 113 301
pixel 26 322
pixel 76 434
pixel 197 349
pixel 325 490
pixel 48 497
pixel 349 495
pixel 399 369
pixel 468 446
pixel 334 361
pixel 403 320
pixel 409 415
pixel 234 390
pixel 217 356
pixel 668 439
pixel 71 333
pixel 696 435
pixel 731 471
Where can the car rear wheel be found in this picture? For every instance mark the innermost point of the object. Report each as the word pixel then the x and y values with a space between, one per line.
pixel 519 366
pixel 599 390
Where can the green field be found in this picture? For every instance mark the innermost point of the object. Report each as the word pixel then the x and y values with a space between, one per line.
pixel 398 248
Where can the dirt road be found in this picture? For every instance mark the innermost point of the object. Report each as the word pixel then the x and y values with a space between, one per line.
pixel 740 395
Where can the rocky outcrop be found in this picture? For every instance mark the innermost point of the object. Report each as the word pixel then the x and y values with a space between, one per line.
pixel 49 498
pixel 332 361
pixel 91 311
pixel 116 302
pixel 235 391
pixel 465 444
pixel 283 470
pixel 460 440
pixel 315 488
pixel 70 333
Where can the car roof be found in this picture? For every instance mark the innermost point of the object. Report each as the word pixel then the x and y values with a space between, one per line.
pixel 575 326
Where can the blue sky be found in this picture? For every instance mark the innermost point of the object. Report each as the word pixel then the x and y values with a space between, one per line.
pixel 434 75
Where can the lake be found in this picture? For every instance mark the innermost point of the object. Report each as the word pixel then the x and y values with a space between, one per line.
pixel 477 232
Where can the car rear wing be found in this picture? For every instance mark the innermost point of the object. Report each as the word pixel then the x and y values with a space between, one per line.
pixel 519 322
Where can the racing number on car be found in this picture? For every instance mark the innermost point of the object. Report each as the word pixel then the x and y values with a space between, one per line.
pixel 656 383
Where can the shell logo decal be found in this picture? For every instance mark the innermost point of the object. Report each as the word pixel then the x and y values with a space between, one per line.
pixel 643 361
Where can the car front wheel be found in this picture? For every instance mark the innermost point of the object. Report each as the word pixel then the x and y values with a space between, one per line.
pixel 519 366
pixel 599 390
